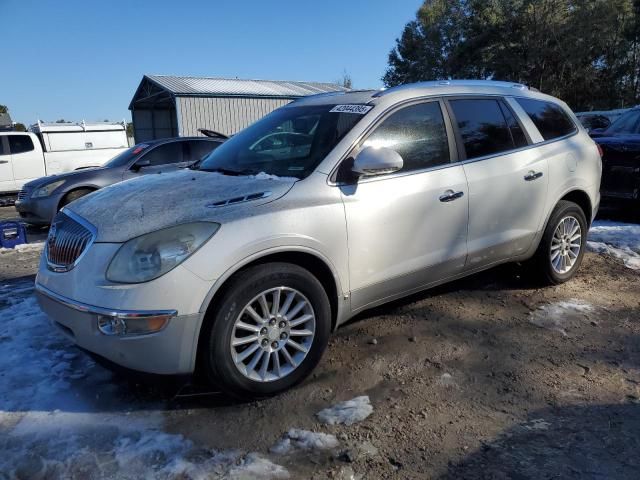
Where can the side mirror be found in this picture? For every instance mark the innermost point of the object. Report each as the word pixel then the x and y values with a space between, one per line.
pixel 141 164
pixel 377 161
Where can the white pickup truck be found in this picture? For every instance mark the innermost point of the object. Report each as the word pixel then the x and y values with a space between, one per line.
pixel 50 148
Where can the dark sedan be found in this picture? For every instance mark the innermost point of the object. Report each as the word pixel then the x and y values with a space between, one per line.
pixel 40 200
pixel 620 145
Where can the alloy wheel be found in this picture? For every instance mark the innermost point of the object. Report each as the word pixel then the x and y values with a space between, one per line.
pixel 565 245
pixel 273 334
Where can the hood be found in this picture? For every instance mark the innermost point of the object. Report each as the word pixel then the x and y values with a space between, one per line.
pixel 132 208
pixel 83 174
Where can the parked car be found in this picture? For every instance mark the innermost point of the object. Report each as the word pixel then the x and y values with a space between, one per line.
pixel 54 148
pixel 594 121
pixel 40 200
pixel 241 269
pixel 620 145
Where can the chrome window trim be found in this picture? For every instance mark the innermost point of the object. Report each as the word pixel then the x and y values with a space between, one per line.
pixel 84 223
pixel 93 310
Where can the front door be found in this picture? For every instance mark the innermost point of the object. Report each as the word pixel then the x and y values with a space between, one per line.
pixel 408 229
pixel 165 157
pixel 26 160
pixel 7 183
pixel 507 182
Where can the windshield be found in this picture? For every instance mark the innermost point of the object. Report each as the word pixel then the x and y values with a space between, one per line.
pixel 126 156
pixel 289 142
pixel 627 123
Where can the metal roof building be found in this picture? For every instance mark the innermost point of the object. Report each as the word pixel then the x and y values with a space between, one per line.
pixel 168 106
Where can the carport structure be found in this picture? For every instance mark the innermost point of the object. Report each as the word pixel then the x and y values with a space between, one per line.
pixel 169 106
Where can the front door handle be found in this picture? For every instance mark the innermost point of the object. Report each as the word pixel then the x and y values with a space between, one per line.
pixel 450 196
pixel 532 175
pixel 4 161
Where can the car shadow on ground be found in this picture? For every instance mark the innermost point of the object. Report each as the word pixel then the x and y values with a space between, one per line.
pixel 585 442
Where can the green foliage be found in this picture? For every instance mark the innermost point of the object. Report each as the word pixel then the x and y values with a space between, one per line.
pixel 4 109
pixel 20 127
pixel 584 51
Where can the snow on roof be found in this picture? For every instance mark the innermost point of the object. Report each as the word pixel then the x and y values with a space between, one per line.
pixel 241 87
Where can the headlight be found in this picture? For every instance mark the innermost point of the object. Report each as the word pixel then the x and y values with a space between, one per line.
pixel 46 190
pixel 154 254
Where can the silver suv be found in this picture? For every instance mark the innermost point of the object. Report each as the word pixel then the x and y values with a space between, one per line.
pixel 241 268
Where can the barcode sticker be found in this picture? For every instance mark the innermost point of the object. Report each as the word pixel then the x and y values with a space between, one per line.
pixel 359 109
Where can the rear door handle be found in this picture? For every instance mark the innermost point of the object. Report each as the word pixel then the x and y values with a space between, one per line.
pixel 532 175
pixel 450 196
pixel 4 161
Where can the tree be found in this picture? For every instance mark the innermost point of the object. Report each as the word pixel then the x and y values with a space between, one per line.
pixel 61 120
pixel 586 52
pixel 130 131
pixel 4 109
pixel 19 127
pixel 345 80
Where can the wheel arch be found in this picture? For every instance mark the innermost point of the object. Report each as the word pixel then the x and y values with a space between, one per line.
pixel 314 262
pixel 91 188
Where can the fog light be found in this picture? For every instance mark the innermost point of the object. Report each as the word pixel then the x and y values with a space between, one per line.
pixel 113 325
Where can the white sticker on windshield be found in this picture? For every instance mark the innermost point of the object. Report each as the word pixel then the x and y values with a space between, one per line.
pixel 359 109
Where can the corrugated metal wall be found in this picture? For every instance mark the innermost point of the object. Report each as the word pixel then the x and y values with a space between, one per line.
pixel 226 115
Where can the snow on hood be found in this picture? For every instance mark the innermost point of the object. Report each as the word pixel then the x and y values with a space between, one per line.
pixel 132 208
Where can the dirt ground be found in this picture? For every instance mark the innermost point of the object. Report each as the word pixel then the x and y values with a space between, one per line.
pixel 488 377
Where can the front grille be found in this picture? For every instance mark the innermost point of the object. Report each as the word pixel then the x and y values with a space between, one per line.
pixel 23 194
pixel 68 239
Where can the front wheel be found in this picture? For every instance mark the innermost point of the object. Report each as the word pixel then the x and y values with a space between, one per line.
pixel 563 243
pixel 268 332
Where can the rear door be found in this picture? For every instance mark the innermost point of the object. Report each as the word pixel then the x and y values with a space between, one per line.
pixel 7 183
pixel 507 181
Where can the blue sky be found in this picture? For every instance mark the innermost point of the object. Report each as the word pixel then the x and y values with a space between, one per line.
pixel 79 60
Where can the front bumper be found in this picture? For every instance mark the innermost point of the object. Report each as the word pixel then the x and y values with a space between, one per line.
pixel 38 211
pixel 167 352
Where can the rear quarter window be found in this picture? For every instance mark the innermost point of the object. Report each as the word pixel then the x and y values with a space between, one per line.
pixel 550 119
pixel 20 143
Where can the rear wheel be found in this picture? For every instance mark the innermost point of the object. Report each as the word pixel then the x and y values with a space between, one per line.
pixel 74 195
pixel 562 247
pixel 268 332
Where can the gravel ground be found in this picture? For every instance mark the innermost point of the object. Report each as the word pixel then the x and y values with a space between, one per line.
pixel 488 377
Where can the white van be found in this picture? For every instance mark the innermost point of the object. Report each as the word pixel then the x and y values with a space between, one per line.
pixel 51 148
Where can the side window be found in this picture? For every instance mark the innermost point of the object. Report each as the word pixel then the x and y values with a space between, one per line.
pixel 549 118
pixel 4 148
pixel 482 126
pixel 165 154
pixel 20 143
pixel 417 133
pixel 200 148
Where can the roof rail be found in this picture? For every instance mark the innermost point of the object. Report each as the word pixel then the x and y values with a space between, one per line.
pixel 446 83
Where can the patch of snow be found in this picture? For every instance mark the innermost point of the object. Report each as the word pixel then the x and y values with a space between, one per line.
pixel 558 315
pixel 348 412
pixel 267 176
pixel 296 439
pixel 621 240
pixel 447 380
pixel 24 247
pixel 63 416
pixel 253 466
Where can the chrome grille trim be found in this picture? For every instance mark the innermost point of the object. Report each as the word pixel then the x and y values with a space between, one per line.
pixel 69 239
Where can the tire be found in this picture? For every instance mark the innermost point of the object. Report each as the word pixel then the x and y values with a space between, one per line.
pixel 74 195
pixel 553 266
pixel 230 367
